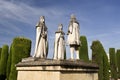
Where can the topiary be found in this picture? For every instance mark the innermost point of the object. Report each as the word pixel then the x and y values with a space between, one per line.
pixel 0 52
pixel 21 48
pixel 113 63
pixel 3 62
pixel 83 50
pixel 9 63
pixel 118 61
pixel 99 56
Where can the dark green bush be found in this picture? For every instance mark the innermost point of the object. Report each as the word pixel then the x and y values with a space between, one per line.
pixel 0 52
pixel 21 48
pixel 3 62
pixel 9 63
pixel 113 64
pixel 118 61
pixel 99 56
pixel 83 50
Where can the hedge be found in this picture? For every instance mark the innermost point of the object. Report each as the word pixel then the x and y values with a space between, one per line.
pixel 3 62
pixel 9 63
pixel 21 48
pixel 83 50
pixel 113 63
pixel 0 52
pixel 118 61
pixel 99 56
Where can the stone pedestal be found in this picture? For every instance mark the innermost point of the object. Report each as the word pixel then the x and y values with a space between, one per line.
pixel 41 69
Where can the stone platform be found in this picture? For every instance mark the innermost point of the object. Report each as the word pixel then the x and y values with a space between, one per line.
pixel 48 69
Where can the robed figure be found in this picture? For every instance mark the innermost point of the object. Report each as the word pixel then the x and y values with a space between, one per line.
pixel 41 46
pixel 73 37
pixel 59 45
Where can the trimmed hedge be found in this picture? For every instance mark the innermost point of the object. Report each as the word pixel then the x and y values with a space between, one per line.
pixel 118 61
pixel 113 63
pixel 9 63
pixel 3 62
pixel 99 56
pixel 0 52
pixel 83 50
pixel 21 48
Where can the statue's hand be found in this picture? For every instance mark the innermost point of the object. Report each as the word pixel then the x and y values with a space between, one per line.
pixel 43 35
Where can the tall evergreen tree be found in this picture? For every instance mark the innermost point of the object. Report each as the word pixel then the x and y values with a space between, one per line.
pixel 83 50
pixel 0 52
pixel 9 63
pixel 99 56
pixel 3 62
pixel 113 64
pixel 21 48
pixel 118 61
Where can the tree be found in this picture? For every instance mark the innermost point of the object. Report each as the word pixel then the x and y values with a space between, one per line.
pixel 83 50
pixel 0 52
pixel 118 61
pixel 113 64
pixel 3 62
pixel 99 56
pixel 9 63
pixel 21 48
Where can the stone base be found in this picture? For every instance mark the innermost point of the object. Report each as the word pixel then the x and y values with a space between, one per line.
pixel 42 69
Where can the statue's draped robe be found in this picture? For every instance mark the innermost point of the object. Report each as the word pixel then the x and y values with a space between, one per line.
pixel 73 35
pixel 41 42
pixel 59 45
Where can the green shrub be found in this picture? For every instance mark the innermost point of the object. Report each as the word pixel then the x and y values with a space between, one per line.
pixel 0 52
pixel 3 62
pixel 21 48
pixel 99 56
pixel 118 61
pixel 113 64
pixel 9 63
pixel 83 50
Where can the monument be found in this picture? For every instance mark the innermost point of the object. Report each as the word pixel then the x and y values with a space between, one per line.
pixel 59 45
pixel 73 36
pixel 41 39
pixel 39 67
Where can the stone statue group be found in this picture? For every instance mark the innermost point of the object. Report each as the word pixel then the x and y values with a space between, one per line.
pixel 41 46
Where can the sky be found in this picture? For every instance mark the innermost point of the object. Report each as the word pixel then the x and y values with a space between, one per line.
pixel 99 20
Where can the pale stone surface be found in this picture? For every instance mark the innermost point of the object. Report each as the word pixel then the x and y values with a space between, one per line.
pixel 59 46
pixel 56 70
pixel 41 39
pixel 73 36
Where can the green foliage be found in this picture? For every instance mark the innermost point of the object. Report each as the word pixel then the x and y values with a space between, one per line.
pixel 0 52
pixel 83 50
pixel 21 48
pixel 118 61
pixel 99 56
pixel 3 62
pixel 105 67
pixel 113 64
pixel 9 63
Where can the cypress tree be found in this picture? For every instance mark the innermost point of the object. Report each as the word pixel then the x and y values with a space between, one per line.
pixel 21 48
pixel 3 62
pixel 0 52
pixel 99 56
pixel 9 63
pixel 118 61
pixel 83 50
pixel 113 64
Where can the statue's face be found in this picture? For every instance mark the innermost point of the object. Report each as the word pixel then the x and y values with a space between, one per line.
pixel 60 27
pixel 42 19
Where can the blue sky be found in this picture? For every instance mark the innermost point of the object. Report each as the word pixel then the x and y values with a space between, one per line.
pixel 99 20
